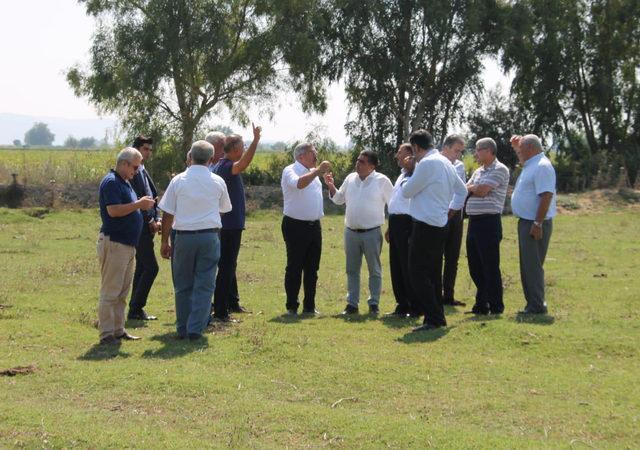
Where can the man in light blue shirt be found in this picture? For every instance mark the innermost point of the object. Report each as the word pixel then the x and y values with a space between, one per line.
pixel 431 189
pixel 534 202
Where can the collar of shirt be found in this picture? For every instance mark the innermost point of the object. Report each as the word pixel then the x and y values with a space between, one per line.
pixel 533 159
pixel 298 166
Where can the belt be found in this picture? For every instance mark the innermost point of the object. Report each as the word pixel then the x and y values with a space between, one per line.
pixel 482 216
pixel 363 230
pixel 206 230
pixel 306 222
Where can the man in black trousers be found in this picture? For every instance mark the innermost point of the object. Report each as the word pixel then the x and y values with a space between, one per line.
pixel 146 263
pixel 431 188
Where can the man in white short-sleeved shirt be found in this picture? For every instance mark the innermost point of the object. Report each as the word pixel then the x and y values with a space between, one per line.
pixel 195 198
pixel 301 230
pixel 534 201
pixel 365 192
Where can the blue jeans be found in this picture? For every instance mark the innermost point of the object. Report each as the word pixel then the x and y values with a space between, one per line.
pixel 194 263
pixel 368 244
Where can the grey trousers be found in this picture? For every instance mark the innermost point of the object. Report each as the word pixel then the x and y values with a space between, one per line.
pixel 532 255
pixel 369 244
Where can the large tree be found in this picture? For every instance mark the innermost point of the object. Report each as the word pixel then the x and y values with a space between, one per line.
pixel 39 134
pixel 165 65
pixel 407 63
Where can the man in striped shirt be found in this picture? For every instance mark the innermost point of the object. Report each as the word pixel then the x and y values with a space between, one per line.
pixel 487 191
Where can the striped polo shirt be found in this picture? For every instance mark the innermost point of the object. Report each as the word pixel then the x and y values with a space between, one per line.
pixel 496 175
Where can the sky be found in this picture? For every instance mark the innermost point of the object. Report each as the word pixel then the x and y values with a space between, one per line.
pixel 41 39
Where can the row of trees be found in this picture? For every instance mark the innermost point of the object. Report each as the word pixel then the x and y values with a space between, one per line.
pixel 166 66
pixel 40 135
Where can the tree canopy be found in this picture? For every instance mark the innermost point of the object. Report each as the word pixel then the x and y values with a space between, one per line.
pixel 39 134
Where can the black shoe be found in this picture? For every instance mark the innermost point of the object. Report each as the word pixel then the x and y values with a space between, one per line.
pixel 477 313
pixel 140 315
pixel 239 309
pixel 109 340
pixel 374 310
pixel 226 319
pixel 415 314
pixel 292 312
pixel 350 309
pixel 453 302
pixel 399 314
pixel 426 327
pixel 194 336
pixel 526 312
pixel 311 312
pixel 127 337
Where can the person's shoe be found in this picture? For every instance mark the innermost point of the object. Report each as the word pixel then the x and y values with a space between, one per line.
pixel 426 327
pixel 128 337
pixel 397 313
pixel 194 336
pixel 453 302
pixel 292 312
pixel 350 310
pixel 226 319
pixel 311 312
pixel 179 337
pixel 477 313
pixel 526 312
pixel 140 315
pixel 239 309
pixel 109 340
pixel 374 310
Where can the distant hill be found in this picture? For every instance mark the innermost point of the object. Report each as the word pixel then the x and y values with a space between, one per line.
pixel 14 126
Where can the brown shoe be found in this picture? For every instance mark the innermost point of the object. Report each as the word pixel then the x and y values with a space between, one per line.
pixel 128 337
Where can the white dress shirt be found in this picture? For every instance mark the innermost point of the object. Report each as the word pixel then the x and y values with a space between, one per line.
pixel 365 200
pixel 537 176
pixel 195 198
pixel 398 204
pixel 431 189
pixel 458 200
pixel 301 204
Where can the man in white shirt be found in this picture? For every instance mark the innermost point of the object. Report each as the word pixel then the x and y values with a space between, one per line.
pixel 431 189
pixel 194 198
pixel 534 201
pixel 452 149
pixel 397 236
pixel 365 192
pixel 301 230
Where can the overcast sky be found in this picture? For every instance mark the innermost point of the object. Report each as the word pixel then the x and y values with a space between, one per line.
pixel 42 38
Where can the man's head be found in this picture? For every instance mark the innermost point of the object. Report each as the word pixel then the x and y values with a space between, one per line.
pixel 530 146
pixel 144 145
pixel 233 147
pixel 128 162
pixel 201 153
pixel 366 163
pixel 486 150
pixel 421 141
pixel 453 146
pixel 403 151
pixel 216 138
pixel 306 154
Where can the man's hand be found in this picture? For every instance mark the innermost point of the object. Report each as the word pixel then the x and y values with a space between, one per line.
pixel 515 141
pixel 535 232
pixel 256 132
pixel 328 179
pixel 165 250
pixel 386 235
pixel 451 213
pixel 324 167
pixel 409 163
pixel 145 203
pixel 154 227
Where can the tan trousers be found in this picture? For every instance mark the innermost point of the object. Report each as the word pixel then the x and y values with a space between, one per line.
pixel 116 269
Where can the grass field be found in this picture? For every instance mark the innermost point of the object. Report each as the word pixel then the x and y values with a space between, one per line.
pixel 567 380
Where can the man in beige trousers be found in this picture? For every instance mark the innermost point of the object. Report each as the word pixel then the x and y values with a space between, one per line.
pixel 119 235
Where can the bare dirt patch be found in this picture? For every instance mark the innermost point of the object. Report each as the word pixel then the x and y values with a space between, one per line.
pixel 18 370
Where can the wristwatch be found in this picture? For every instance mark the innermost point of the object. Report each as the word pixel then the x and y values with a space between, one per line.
pixel 537 224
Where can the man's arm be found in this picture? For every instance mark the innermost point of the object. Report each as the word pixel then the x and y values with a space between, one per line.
pixel 541 213
pixel 167 223
pixel 121 210
pixel 417 182
pixel 337 196
pixel 246 158
pixel 306 179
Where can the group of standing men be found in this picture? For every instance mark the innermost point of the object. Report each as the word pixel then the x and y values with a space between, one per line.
pixel 204 216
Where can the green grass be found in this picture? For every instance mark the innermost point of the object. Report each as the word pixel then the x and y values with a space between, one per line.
pixel 567 380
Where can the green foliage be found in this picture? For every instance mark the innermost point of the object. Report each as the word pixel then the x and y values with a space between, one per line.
pixel 39 134
pixel 17 143
pixel 563 381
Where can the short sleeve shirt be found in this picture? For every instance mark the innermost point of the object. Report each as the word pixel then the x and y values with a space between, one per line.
pixel 495 175
pixel 234 219
pixel 537 176
pixel 114 190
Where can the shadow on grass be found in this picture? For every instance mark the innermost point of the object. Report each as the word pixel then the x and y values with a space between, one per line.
pixel 451 310
pixel 287 318
pixel 535 319
pixel 482 317
pixel 101 352
pixel 356 317
pixel 399 322
pixel 173 347
pixel 134 323
pixel 424 336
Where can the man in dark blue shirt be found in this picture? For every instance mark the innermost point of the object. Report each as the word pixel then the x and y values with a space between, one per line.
pixel 119 235
pixel 146 262
pixel 233 163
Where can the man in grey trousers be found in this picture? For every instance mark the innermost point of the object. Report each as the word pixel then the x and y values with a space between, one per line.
pixel 534 202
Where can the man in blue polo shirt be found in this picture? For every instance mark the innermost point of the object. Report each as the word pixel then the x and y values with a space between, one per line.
pixel 534 202
pixel 234 161
pixel 119 235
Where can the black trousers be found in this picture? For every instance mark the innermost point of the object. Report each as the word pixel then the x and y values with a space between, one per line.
pixel 483 252
pixel 303 240
pixel 425 254
pixel 145 273
pixel 226 293
pixel 452 242
pixel 400 226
